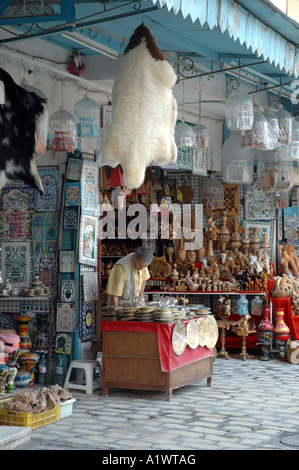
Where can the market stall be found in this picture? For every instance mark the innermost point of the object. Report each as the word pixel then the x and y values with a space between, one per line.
pixel 144 356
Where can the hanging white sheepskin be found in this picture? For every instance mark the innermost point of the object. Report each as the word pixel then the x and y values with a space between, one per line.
pixel 144 111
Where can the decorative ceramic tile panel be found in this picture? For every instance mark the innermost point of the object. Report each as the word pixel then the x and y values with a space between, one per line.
pixel 90 188
pixel 63 343
pixel 90 287
pixel 258 203
pixel 16 263
pixel 65 317
pixel 44 265
pixel 71 218
pixel 49 201
pixel 264 227
pixel 88 323
pixel 72 194
pixel 68 290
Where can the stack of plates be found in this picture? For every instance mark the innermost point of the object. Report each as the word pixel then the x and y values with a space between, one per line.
pixel 176 315
pixel 163 315
pixel 127 314
pixel 192 334
pixel 144 314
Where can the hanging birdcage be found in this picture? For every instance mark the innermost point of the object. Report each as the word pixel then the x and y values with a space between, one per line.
pixel 212 195
pixel 292 150
pixel 100 140
pixel 63 136
pixel 239 111
pixel 273 128
pixel 237 162
pixel 88 113
pixel 184 135
pixel 201 136
pixel 257 137
pixel 285 125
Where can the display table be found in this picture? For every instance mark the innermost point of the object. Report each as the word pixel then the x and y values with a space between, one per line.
pixel 139 355
pixel 224 326
pixel 243 334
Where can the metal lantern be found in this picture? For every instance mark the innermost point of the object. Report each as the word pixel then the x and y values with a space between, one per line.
pixel 237 162
pixel 63 131
pixel 88 113
pixel 239 111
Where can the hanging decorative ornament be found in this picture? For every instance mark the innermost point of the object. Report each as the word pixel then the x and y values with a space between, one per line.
pixel 239 111
pixel 63 134
pixel 116 177
pixel 88 113
pixel 237 162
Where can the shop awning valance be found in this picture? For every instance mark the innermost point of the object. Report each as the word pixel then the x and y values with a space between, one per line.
pixel 244 26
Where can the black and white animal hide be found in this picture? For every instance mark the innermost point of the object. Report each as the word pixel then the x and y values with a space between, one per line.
pixel 18 124
pixel 144 111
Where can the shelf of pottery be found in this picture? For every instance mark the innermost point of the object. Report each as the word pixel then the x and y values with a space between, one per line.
pixel 239 263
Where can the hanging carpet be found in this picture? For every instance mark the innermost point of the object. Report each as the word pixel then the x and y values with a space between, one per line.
pixel 144 111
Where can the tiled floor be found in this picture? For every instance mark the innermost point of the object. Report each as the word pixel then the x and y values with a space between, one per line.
pixel 252 405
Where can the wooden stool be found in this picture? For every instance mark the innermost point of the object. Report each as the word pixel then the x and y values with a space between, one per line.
pixel 224 325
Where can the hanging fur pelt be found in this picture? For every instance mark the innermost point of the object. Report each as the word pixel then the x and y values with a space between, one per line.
pixel 18 124
pixel 144 111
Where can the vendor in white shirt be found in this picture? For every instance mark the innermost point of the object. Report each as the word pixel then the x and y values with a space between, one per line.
pixel 127 278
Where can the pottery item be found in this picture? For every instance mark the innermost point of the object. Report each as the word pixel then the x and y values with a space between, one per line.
pixel 265 334
pixel 181 253
pixel 255 242
pixel 25 343
pixel 224 233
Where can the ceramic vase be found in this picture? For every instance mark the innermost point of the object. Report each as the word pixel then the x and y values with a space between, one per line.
pixel 281 333
pixel 11 379
pixel 265 334
pixel 3 374
pixel 25 343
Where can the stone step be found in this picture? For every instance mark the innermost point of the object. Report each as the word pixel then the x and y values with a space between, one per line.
pixel 13 436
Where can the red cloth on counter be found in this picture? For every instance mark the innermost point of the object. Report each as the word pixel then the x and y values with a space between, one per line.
pixel 169 361
pixel 290 319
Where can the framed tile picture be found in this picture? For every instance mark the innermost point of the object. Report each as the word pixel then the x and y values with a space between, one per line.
pixel 88 247
pixel 66 261
pixel 73 169
pixel 90 200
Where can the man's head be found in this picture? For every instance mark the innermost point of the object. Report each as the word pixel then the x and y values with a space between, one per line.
pixel 142 257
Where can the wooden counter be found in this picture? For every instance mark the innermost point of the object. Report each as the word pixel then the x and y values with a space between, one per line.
pixel 132 359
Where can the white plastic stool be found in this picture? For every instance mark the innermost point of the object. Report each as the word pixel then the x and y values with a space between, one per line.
pixel 82 365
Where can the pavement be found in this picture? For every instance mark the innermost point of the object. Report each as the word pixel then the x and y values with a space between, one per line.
pixel 252 405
